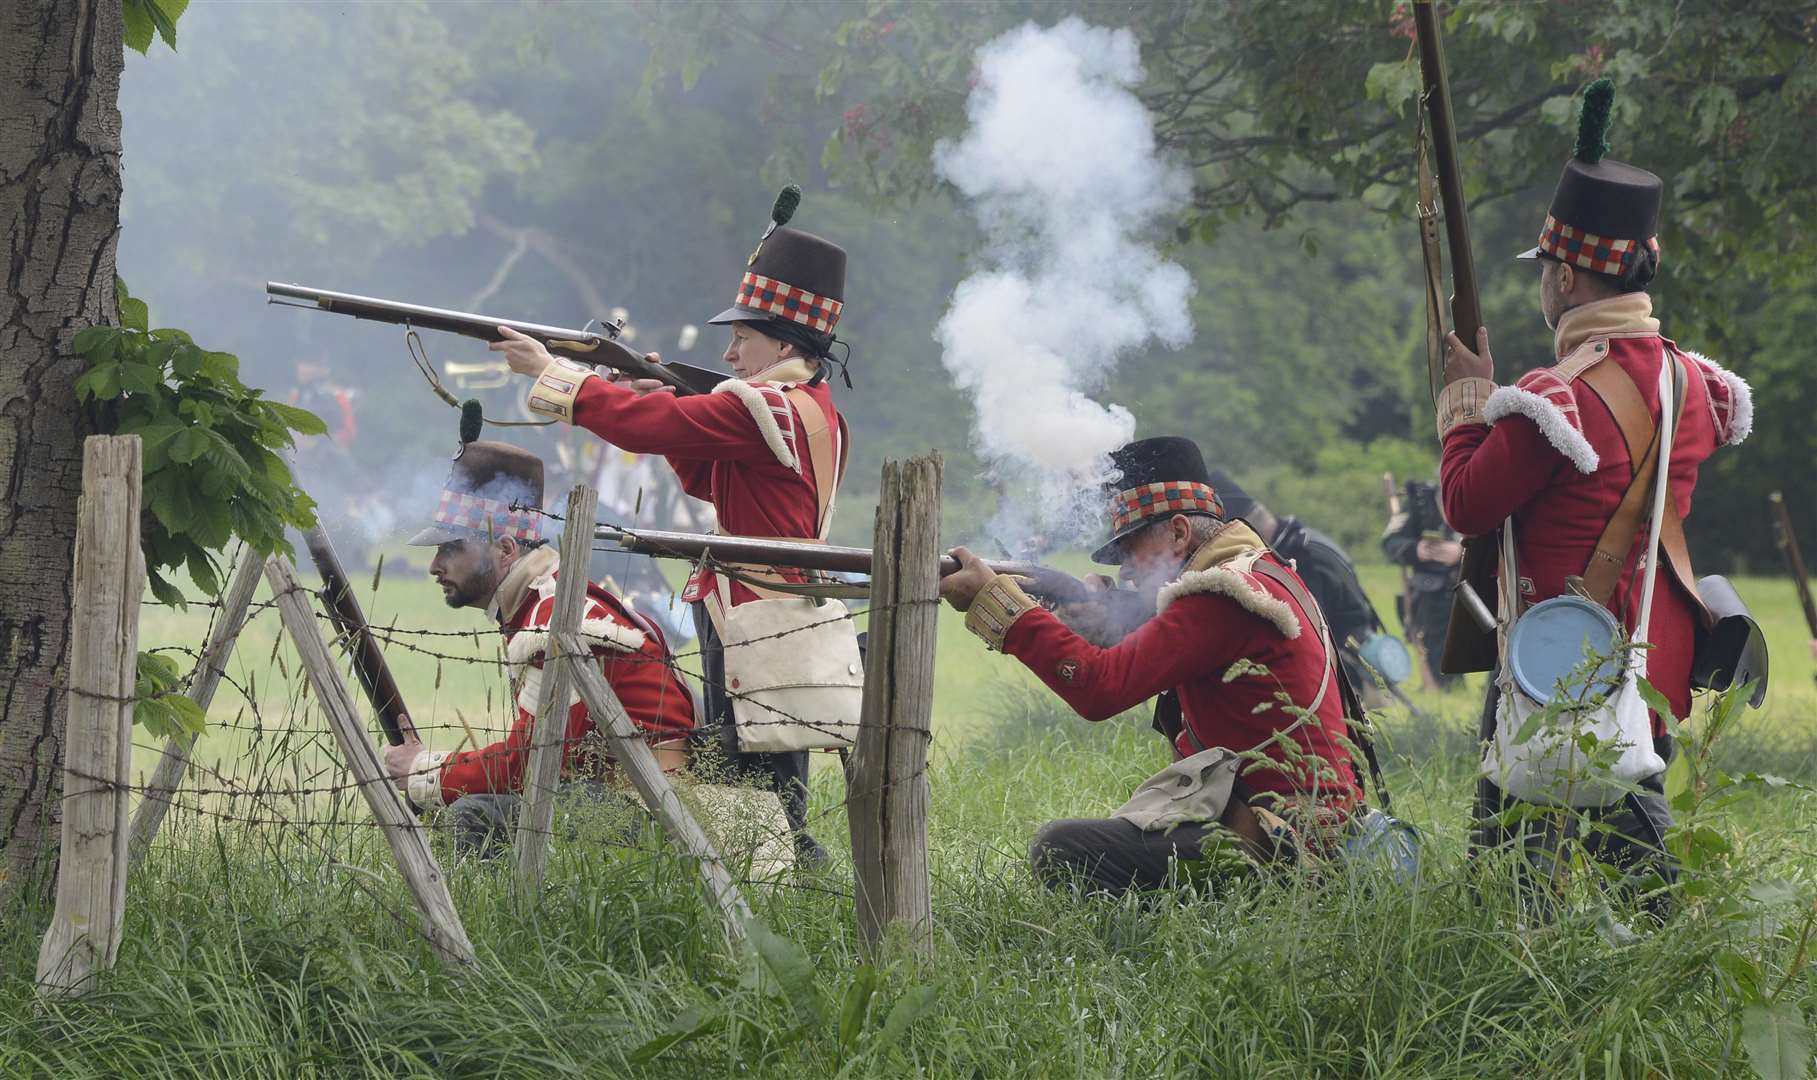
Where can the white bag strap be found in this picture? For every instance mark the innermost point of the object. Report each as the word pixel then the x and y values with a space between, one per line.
pixel 1669 372
pixel 825 451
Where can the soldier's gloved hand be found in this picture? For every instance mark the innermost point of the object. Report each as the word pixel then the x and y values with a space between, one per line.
pixel 1461 363
pixel 642 386
pixel 526 355
pixel 961 588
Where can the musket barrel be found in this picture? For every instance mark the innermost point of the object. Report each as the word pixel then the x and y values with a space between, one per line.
pixel 798 555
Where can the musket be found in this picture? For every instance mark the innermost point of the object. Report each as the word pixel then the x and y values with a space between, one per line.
pixel 1794 562
pixel 350 623
pixel 1055 585
pixel 599 348
pixel 1470 636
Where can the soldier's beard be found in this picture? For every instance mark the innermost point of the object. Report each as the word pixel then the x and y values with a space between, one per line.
pixel 476 589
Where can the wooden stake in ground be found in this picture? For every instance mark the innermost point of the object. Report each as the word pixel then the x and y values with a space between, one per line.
pixel 155 800
pixel 548 739
pixel 635 757
pixel 84 933
pixel 886 796
pixel 409 843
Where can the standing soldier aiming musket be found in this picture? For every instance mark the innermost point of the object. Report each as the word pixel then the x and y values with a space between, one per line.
pixel 767 448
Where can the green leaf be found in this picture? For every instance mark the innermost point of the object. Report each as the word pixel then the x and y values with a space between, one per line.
pixel 1777 1040
pixel 97 344
pixel 914 1003
pixel 301 421
pixel 1654 699
pixel 189 445
pixel 167 26
pixel 139 25
pixel 164 590
pixel 186 361
pixel 134 315
pixel 221 367
pixel 690 1025
pixel 855 1006
pixel 201 567
pixel 793 970
pixel 136 378
pixel 101 382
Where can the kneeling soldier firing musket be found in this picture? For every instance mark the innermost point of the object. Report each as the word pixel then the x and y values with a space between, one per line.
pixel 488 554
pixel 1235 631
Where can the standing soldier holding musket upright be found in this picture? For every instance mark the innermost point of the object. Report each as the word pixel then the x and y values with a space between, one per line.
pixel 1557 451
pixel 767 448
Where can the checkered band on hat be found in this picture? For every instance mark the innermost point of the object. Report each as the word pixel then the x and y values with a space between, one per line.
pixel 459 510
pixel 1160 499
pixel 1568 243
pixel 796 305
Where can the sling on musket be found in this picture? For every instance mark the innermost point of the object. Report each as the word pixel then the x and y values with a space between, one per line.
pixel 1470 636
pixel 599 348
pixel 1055 585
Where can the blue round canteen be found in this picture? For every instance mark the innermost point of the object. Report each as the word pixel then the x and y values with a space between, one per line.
pixel 1548 645
pixel 1385 654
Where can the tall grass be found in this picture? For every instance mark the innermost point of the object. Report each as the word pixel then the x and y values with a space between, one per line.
pixel 287 952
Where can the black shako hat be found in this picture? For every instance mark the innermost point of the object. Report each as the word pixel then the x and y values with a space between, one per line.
pixel 1161 477
pixel 1603 212
pixel 793 276
pixel 494 489
pixel 1237 502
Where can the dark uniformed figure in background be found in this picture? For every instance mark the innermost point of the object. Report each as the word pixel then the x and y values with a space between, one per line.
pixel 1328 573
pixel 1418 538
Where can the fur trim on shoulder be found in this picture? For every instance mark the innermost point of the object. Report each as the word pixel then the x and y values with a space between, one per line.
pixel 1223 581
pixel 530 644
pixel 1551 420
pixel 1732 412
pixel 764 411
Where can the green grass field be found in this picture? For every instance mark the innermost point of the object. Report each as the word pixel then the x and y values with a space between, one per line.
pixel 273 949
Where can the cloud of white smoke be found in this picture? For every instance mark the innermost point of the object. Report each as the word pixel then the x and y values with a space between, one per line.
pixel 1060 168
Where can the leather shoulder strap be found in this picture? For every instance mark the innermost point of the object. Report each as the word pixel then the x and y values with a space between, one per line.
pixel 828 459
pixel 1353 706
pixel 1615 387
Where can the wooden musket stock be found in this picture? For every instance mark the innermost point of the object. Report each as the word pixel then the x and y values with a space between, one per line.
pixel 350 623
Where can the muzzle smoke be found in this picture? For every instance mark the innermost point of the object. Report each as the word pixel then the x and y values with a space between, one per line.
pixel 1060 168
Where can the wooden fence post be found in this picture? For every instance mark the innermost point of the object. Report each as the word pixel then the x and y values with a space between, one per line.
pixel 108 580
pixel 155 800
pixel 549 737
pixel 886 793
pixel 634 755
pixel 409 842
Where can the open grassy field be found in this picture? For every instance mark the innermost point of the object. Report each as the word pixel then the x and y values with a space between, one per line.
pixel 274 949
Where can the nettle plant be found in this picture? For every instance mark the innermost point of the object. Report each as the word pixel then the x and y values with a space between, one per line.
pixel 212 468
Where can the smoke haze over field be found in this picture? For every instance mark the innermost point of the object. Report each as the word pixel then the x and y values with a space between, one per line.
pixel 1060 168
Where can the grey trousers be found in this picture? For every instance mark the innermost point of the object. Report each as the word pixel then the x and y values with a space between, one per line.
pixel 1110 855
pixel 483 825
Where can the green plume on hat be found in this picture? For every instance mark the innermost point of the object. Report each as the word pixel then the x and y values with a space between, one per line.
pixel 786 201
pixel 471 415
pixel 1593 122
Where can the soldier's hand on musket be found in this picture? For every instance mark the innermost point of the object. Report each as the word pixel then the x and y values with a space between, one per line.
pixel 961 587
pixel 642 386
pixel 1438 551
pixel 1461 363
pixel 525 354
pixel 400 759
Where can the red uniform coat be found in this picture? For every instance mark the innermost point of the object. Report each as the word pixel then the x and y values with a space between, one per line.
pixel 1548 452
pixel 1209 620
pixel 632 654
pixel 740 447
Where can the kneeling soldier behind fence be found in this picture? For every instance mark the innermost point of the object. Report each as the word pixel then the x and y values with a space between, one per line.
pixel 489 555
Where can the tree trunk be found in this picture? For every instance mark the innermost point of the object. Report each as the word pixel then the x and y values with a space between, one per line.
pixel 60 215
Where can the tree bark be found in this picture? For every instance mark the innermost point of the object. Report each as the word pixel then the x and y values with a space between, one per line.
pixel 60 217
